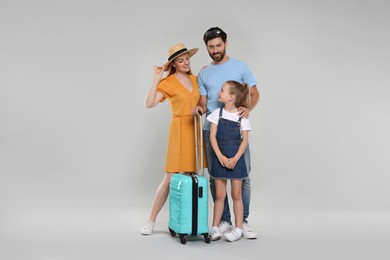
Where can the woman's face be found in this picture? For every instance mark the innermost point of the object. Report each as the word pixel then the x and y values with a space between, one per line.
pixel 182 63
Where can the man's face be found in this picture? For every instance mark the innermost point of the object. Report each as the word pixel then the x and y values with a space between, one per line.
pixel 216 48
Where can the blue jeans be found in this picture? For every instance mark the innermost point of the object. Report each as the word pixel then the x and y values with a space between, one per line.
pixel 246 184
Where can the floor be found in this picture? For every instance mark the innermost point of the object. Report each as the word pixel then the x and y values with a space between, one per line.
pixel 72 234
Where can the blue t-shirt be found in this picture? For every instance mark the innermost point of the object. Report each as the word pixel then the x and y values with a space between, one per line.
pixel 211 79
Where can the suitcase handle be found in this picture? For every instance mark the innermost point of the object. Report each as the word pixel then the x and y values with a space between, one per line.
pixel 198 123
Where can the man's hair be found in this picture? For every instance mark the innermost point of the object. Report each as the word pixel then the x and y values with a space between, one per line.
pixel 214 32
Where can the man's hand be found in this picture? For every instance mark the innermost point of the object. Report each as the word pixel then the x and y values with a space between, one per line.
pixel 243 112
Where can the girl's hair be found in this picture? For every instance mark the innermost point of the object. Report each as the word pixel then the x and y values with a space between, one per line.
pixel 241 90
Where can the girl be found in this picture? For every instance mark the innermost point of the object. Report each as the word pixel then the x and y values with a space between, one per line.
pixel 180 87
pixel 229 139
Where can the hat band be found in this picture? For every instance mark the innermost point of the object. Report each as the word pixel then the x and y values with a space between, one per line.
pixel 177 53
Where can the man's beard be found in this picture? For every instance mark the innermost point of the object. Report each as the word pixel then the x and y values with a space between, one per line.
pixel 217 57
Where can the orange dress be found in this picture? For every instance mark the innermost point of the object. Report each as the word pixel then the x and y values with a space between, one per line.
pixel 181 143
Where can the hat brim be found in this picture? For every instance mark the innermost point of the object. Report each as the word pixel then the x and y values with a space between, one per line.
pixel 190 52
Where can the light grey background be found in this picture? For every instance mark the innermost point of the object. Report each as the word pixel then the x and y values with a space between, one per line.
pixel 80 156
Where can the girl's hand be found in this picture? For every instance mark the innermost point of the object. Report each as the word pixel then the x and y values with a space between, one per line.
pixel 223 160
pixel 231 163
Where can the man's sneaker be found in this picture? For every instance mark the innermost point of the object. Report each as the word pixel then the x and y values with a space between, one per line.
pixel 233 235
pixel 147 229
pixel 224 227
pixel 215 233
pixel 247 232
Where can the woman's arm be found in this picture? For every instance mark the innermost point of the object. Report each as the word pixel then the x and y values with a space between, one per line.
pixel 201 107
pixel 154 97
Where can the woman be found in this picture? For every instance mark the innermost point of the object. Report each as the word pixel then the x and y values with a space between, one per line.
pixel 181 89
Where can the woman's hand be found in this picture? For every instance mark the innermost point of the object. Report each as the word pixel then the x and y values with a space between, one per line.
pixel 158 72
pixel 198 110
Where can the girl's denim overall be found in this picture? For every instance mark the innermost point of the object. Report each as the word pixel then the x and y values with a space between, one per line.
pixel 229 140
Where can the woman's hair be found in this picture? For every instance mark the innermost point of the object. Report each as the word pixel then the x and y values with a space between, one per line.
pixel 241 91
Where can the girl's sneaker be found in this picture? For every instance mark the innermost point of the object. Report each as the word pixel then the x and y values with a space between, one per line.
pixel 233 235
pixel 147 229
pixel 224 227
pixel 215 234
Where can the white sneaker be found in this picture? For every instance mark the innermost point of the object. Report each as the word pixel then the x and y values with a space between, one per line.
pixel 215 233
pixel 224 227
pixel 247 232
pixel 233 235
pixel 147 229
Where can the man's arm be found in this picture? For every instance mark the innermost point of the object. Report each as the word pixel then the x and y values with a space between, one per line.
pixel 255 97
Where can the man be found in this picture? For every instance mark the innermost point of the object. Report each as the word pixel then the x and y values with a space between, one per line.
pixel 210 80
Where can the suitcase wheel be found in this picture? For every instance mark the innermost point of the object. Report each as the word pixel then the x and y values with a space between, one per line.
pixel 207 238
pixel 173 233
pixel 183 240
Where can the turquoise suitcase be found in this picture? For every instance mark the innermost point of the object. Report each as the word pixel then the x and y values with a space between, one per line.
pixel 188 200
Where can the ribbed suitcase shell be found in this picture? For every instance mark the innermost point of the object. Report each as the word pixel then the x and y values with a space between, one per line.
pixel 185 216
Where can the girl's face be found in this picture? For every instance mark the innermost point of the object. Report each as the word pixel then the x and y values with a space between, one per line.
pixel 224 96
pixel 182 63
